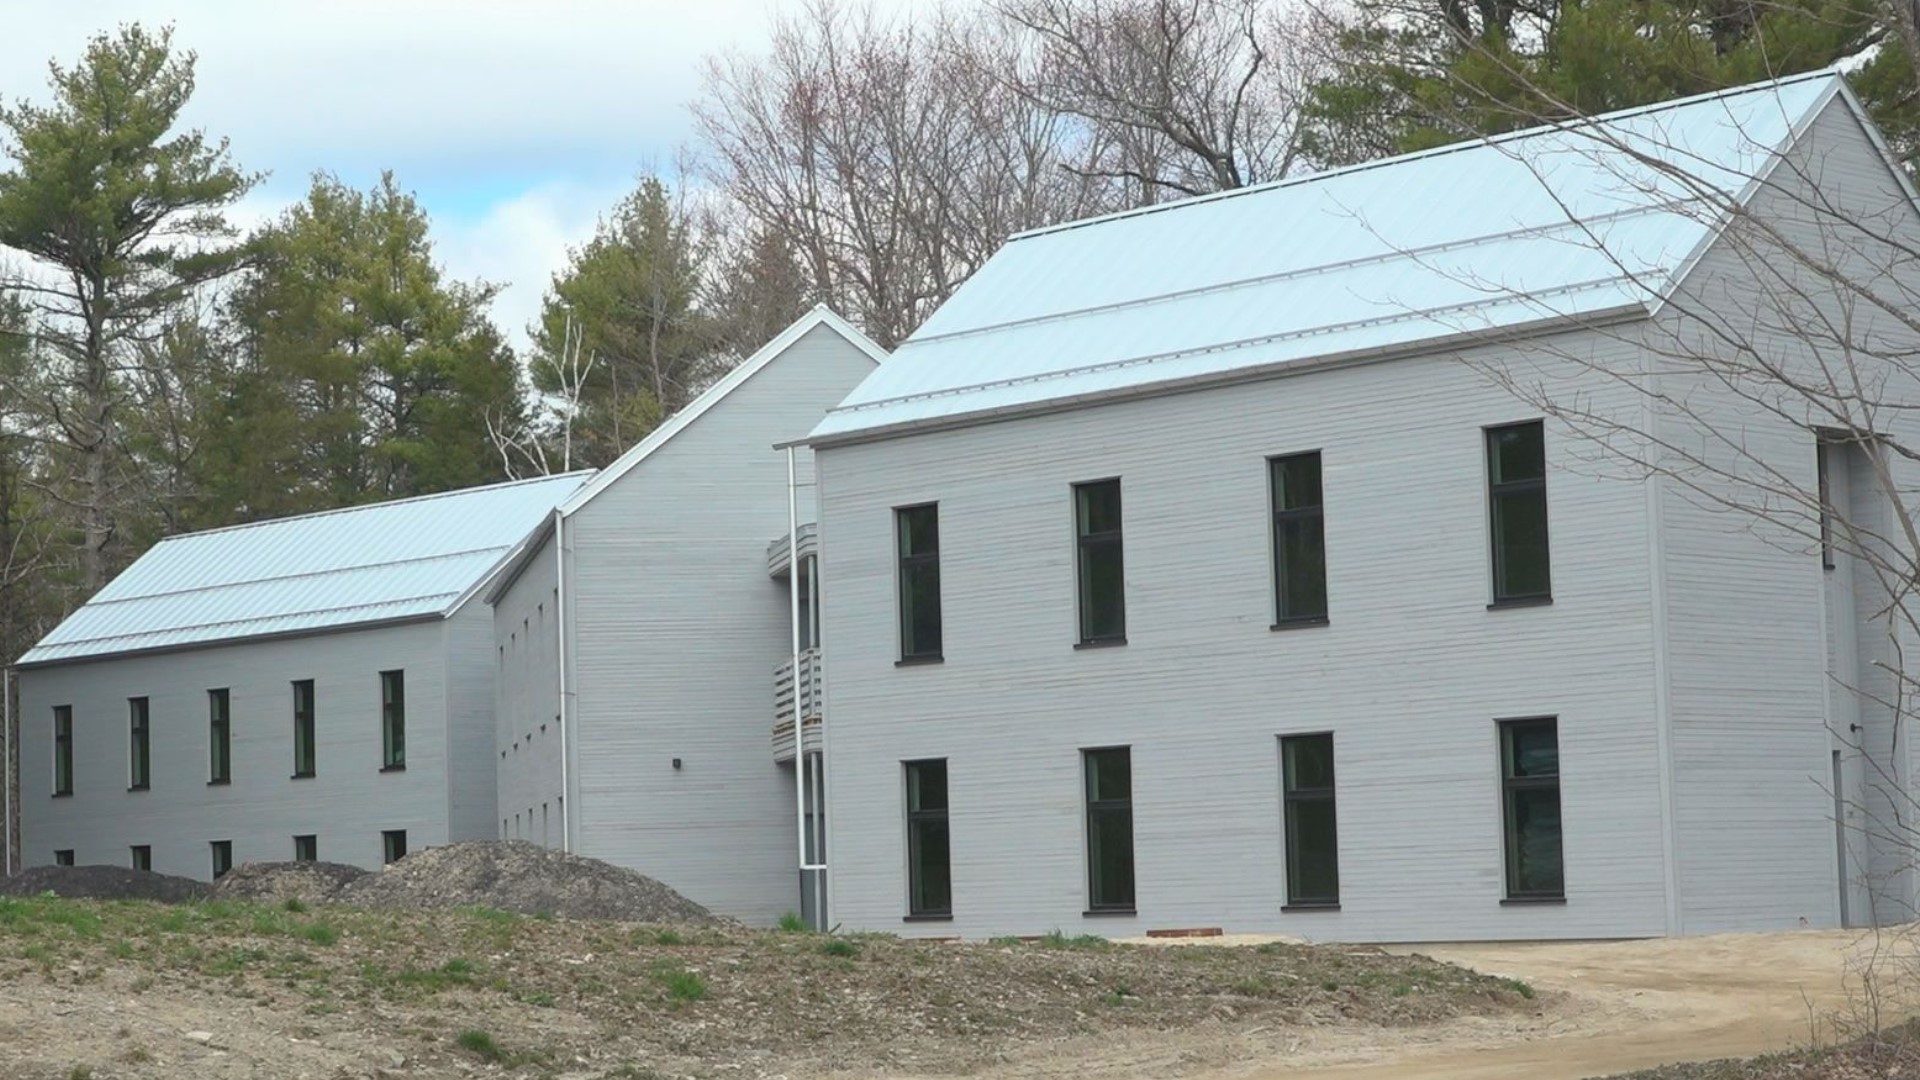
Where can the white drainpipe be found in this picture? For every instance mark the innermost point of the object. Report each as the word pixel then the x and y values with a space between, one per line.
pixel 799 711
pixel 560 635
pixel 7 756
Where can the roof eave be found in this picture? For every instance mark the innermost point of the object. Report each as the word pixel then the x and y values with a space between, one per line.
pixel 26 663
pixel 1631 311
pixel 514 563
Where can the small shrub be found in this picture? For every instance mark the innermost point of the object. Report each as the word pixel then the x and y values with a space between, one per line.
pixel 792 923
pixel 479 1044
pixel 668 937
pixel 319 933
pixel 839 946
pixel 682 985
pixel 1518 987
pixel 294 904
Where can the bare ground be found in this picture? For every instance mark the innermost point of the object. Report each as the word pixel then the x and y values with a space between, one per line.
pixel 227 990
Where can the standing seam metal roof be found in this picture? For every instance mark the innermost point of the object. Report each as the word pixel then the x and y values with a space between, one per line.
pixel 1579 220
pixel 403 559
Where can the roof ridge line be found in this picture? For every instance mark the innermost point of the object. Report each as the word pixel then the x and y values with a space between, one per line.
pixel 294 577
pixel 404 500
pixel 1481 142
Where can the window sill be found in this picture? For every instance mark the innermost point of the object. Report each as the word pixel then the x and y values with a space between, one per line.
pixel 1101 643
pixel 1107 912
pixel 136 787
pixel 63 794
pixel 1310 906
pixel 1301 623
pixel 302 776
pixel 394 768
pixel 1532 901
pixel 219 783
pixel 947 917
pixel 1520 602
pixel 916 661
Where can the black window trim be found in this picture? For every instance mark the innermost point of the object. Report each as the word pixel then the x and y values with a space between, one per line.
pixel 913 816
pixel 1287 800
pixel 1116 537
pixel 215 850
pixel 63 751
pixel 305 730
pixel 139 743
pixel 313 841
pixel 387 844
pixel 220 727
pixel 1509 784
pixel 1514 487
pixel 1090 808
pixel 901 564
pixel 1276 515
pixel 396 710
pixel 134 857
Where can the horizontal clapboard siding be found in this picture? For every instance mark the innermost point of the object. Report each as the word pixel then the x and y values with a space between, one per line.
pixel 526 656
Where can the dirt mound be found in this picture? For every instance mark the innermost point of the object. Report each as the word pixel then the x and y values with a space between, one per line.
pixel 276 882
pixel 513 875
pixel 104 883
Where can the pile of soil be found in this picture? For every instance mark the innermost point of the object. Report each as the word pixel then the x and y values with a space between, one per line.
pixel 513 875
pixel 278 882
pixel 104 883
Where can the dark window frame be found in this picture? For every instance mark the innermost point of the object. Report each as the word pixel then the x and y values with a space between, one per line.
pixel 305 760
pixel 306 847
pixel 63 856
pixel 1287 609
pixel 1086 541
pixel 62 751
pixel 393 845
pixel 1823 449
pixel 140 857
pixel 910 567
pixel 139 744
pixel 1096 808
pixel 917 818
pixel 220 735
pixel 1292 797
pixel 393 720
pixel 1499 490
pixel 220 856
pixel 1510 785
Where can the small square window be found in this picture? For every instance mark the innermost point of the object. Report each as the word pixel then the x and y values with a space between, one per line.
pixel 140 857
pixel 393 844
pixel 222 856
pixel 63 857
pixel 306 848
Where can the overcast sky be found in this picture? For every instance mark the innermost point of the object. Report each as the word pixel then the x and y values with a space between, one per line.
pixel 516 123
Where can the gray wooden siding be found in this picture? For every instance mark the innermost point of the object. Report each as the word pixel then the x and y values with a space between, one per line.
pixel 1410 676
pixel 526 752
pixel 675 632
pixel 347 804
pixel 471 776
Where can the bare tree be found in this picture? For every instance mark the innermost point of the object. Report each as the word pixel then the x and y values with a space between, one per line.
pixel 540 442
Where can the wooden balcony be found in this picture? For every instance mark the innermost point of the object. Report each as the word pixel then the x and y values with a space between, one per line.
pixel 796 701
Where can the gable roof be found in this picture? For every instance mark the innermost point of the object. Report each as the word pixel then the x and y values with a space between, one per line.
pixel 385 562
pixel 819 316
pixel 1585 220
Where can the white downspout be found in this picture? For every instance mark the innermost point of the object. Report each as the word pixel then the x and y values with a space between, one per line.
pixel 793 633
pixel 7 757
pixel 560 636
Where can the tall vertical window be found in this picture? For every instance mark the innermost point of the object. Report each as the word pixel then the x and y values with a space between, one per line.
pixel 221 853
pixel 917 533
pixel 393 719
pixel 140 857
pixel 138 744
pixel 1299 539
pixel 63 749
pixel 303 728
pixel 219 737
pixel 1109 778
pixel 306 848
pixel 1530 785
pixel 929 855
pixel 1823 451
pixel 393 842
pixel 1517 511
pixel 1313 861
pixel 1100 569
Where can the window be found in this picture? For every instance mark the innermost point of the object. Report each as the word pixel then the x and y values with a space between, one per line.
pixel 1299 539
pixel 63 857
pixel 1109 828
pixel 1530 781
pixel 810 602
pixel 303 728
pixel 1313 864
pixel 219 737
pixel 306 848
pixel 140 857
pixel 393 843
pixel 138 744
pixel 1823 451
pixel 929 857
pixel 222 851
pixel 1103 605
pixel 1517 508
pixel 393 720
pixel 917 529
pixel 63 749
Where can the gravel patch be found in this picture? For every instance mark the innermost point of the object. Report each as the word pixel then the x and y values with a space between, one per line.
pixel 513 875
pixel 104 883
pixel 277 882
